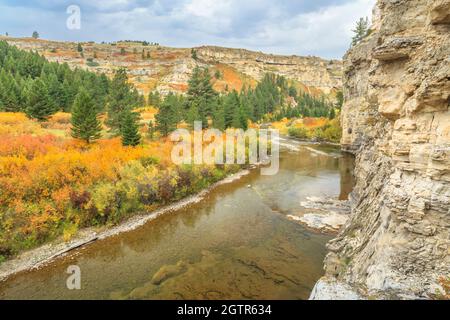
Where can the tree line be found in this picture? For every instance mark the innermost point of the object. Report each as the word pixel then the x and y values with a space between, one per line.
pixel 272 99
pixel 31 84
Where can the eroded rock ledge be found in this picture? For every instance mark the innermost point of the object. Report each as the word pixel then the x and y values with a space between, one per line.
pixel 396 120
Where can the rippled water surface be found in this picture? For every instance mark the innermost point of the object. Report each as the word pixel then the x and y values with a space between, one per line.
pixel 235 244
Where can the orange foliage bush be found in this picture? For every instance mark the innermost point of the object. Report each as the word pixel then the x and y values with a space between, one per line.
pixel 18 124
pixel 50 186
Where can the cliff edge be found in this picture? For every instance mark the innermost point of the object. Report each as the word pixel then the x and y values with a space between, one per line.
pixel 396 121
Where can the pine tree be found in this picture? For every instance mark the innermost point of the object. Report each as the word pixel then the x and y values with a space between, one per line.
pixel 218 117
pixel 332 114
pixel 154 99
pixel 361 30
pixel 85 123
pixel 200 92
pixel 79 47
pixel 121 99
pixel 9 93
pixel 35 35
pixel 192 115
pixel 231 110
pixel 39 104
pixel 194 54
pixel 166 119
pixel 130 129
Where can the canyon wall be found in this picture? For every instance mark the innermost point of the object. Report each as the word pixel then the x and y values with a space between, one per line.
pixel 396 121
pixel 167 69
pixel 314 72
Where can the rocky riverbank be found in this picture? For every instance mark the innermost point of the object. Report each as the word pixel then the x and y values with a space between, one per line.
pixel 39 257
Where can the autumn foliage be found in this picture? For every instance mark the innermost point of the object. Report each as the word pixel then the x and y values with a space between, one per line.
pixel 51 186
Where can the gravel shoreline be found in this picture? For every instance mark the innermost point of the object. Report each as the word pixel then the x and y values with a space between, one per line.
pixel 45 254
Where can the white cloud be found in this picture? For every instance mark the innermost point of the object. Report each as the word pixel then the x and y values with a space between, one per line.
pixel 302 27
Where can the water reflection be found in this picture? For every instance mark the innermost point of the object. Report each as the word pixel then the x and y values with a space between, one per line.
pixel 235 244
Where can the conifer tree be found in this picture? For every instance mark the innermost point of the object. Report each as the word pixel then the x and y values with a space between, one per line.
pixel 154 99
pixel 85 123
pixel 166 119
pixel 218 117
pixel 39 104
pixel 130 129
pixel 361 30
pixel 121 99
pixel 231 109
pixel 332 114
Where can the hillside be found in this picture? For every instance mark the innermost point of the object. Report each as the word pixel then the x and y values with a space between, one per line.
pixel 169 69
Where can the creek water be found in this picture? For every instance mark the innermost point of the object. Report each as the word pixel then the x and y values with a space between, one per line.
pixel 236 243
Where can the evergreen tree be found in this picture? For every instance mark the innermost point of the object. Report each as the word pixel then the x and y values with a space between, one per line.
pixel 361 30
pixel 194 54
pixel 292 92
pixel 200 94
pixel 122 98
pixel 9 93
pixel 218 116
pixel 332 114
pixel 130 129
pixel 231 110
pixel 22 68
pixel 193 115
pixel 40 106
pixel 35 35
pixel 166 119
pixel 79 47
pixel 154 99
pixel 85 123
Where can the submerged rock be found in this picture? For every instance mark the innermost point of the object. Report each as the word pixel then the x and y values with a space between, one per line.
pixel 324 215
pixel 169 271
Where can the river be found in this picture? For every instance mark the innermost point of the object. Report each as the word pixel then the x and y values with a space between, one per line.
pixel 237 243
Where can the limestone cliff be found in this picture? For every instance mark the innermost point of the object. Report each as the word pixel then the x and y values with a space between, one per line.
pixel 167 69
pixel 396 120
pixel 314 72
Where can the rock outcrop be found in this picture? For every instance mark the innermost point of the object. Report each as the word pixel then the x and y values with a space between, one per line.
pixel 167 69
pixel 396 120
pixel 314 72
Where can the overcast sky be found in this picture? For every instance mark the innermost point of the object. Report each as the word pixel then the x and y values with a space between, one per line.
pixel 302 27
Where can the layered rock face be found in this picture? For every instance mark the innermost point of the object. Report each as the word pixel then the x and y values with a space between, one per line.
pixel 169 69
pixel 396 120
pixel 324 75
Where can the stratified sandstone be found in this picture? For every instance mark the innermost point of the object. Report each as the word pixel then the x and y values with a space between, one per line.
pixel 396 120
pixel 167 69
pixel 314 72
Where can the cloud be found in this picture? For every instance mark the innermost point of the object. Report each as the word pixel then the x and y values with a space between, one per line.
pixel 302 27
